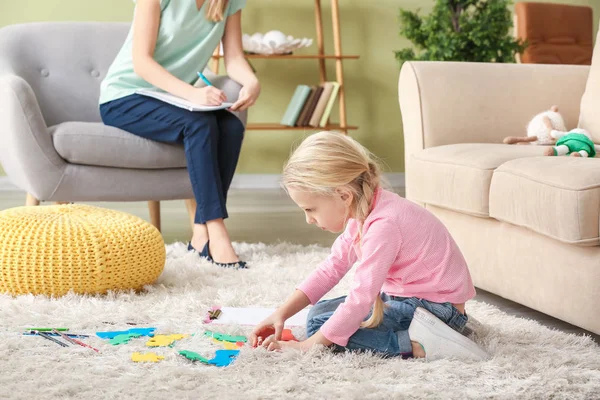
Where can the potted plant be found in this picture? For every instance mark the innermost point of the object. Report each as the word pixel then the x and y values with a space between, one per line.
pixel 461 30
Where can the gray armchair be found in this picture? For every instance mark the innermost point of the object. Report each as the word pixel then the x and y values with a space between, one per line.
pixel 53 144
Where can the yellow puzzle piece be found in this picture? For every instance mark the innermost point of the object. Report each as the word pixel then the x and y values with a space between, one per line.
pixel 148 357
pixel 164 340
pixel 226 345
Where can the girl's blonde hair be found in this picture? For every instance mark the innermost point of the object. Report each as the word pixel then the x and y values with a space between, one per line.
pixel 215 10
pixel 327 161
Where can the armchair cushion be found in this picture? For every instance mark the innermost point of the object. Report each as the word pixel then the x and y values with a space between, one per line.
pixel 93 143
pixel 458 176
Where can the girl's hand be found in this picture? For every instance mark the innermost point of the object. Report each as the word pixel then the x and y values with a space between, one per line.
pixel 207 96
pixel 271 326
pixel 248 96
pixel 272 344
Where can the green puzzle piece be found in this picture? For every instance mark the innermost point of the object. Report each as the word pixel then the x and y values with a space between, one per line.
pixel 123 339
pixel 190 355
pixel 226 338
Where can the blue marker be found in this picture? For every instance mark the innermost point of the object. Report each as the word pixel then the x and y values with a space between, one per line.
pixel 201 75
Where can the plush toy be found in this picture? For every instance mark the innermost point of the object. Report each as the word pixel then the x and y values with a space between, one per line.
pixel 539 130
pixel 577 143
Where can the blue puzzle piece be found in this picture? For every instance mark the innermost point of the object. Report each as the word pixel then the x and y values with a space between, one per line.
pixel 136 331
pixel 224 357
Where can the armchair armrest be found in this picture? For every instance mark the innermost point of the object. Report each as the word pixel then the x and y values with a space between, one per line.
pixel 227 85
pixel 459 102
pixel 27 153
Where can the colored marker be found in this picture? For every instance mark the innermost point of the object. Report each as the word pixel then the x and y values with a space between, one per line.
pixel 47 329
pixel 73 335
pixel 46 336
pixel 75 341
pixel 201 75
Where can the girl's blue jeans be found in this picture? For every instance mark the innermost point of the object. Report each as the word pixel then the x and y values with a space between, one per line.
pixel 212 142
pixel 390 338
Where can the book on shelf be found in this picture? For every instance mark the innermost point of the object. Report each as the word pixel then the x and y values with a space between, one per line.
pixel 310 108
pixel 329 106
pixel 304 110
pixel 311 105
pixel 295 106
pixel 315 118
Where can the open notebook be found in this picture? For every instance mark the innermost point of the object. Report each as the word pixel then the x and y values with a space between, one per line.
pixel 181 103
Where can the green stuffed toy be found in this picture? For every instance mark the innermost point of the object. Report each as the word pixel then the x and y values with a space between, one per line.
pixel 576 143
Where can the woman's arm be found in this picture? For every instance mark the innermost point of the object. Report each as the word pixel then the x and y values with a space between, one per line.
pixel 145 32
pixel 236 65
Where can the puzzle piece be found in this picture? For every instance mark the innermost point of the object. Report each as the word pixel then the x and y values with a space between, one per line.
pixel 148 357
pixel 190 355
pixel 228 345
pixel 139 331
pixel 222 357
pixel 226 338
pixel 164 340
pixel 123 339
pixel 286 335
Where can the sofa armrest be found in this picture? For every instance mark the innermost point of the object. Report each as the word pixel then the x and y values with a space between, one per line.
pixel 460 102
pixel 27 153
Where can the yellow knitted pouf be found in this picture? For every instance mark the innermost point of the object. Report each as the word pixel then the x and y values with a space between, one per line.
pixel 54 249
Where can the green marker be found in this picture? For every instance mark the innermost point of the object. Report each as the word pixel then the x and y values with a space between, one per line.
pixel 47 329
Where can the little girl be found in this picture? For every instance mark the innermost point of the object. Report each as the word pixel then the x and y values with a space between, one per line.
pixel 170 41
pixel 411 283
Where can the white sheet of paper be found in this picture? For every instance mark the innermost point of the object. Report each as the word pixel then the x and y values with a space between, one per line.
pixel 181 103
pixel 253 316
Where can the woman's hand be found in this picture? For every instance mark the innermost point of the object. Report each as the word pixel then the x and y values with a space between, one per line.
pixel 207 96
pixel 248 96
pixel 271 326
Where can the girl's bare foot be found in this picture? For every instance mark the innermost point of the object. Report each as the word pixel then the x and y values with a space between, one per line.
pixel 418 351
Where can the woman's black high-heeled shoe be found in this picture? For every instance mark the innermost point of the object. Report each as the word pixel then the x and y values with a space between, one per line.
pixel 206 254
pixel 203 253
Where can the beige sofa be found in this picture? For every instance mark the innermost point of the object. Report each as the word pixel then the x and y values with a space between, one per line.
pixel 528 225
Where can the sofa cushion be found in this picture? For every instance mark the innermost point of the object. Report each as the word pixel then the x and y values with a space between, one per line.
pixel 589 118
pixel 91 143
pixel 458 176
pixel 556 196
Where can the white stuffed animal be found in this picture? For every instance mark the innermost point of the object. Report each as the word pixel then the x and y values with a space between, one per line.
pixel 540 127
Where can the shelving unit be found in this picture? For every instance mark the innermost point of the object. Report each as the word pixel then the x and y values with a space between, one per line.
pixel 321 57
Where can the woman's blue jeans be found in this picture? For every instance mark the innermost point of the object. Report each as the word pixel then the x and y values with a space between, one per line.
pixel 212 142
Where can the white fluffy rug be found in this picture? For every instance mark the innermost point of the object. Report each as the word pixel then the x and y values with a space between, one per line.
pixel 530 361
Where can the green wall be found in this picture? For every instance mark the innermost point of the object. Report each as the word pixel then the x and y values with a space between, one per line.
pixel 369 29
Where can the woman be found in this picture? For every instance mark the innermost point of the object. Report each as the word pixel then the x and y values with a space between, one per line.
pixel 169 42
